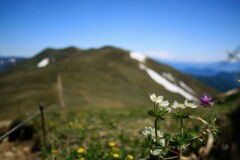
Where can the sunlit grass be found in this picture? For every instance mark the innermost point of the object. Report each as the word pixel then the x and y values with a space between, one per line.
pixel 114 133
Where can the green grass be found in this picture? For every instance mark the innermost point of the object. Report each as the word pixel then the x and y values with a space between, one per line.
pixel 93 129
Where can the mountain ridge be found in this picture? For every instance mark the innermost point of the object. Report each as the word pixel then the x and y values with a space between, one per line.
pixel 105 77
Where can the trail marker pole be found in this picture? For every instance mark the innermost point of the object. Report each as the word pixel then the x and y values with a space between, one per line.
pixel 41 107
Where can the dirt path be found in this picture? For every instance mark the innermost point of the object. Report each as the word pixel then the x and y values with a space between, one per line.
pixel 5 123
pixel 16 151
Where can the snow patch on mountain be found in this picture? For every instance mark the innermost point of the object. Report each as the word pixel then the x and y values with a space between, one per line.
pixel 138 56
pixel 186 87
pixel 166 84
pixel 43 63
pixel 169 76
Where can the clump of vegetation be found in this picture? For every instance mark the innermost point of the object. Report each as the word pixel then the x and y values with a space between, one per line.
pixel 186 143
pixel 25 132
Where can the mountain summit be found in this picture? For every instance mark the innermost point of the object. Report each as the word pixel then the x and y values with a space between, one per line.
pixel 105 77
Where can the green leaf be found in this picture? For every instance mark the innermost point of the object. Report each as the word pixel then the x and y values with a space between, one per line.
pixel 160 117
pixel 185 115
pixel 162 112
pixel 151 113
pixel 181 140
pixel 180 115
pixel 177 115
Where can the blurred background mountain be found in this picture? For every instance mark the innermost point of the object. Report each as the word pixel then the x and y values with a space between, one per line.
pixel 223 76
pixel 104 77
pixel 214 74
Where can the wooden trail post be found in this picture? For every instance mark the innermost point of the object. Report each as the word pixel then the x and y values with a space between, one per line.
pixel 60 91
pixel 41 107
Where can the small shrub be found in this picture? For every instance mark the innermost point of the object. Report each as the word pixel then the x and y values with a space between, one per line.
pixel 25 132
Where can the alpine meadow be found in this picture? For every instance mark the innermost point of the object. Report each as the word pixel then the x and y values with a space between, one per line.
pixel 96 102
pixel 119 80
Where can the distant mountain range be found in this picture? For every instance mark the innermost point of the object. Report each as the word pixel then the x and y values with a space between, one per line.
pixel 220 75
pixel 8 62
pixel 104 77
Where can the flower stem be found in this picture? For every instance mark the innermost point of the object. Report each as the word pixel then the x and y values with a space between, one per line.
pixel 155 124
pixel 154 108
pixel 181 121
pixel 174 157
pixel 212 113
pixel 175 152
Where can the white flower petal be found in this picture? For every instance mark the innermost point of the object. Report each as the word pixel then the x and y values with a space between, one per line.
pixel 175 105
pixel 182 106
pixel 146 131
pixel 153 97
pixel 153 133
pixel 156 152
pixel 164 103
pixel 162 141
pixel 193 106
pixel 178 105
pixel 159 99
pixel 169 109
pixel 160 134
pixel 190 105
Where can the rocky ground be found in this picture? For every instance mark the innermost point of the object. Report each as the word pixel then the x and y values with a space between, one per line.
pixel 16 151
pixel 19 150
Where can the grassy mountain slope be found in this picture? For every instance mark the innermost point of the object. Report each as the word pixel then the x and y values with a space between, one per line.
pixel 105 77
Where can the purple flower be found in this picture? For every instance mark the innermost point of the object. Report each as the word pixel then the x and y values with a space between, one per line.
pixel 205 100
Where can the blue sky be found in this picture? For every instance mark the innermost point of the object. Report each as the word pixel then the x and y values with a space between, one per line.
pixel 183 30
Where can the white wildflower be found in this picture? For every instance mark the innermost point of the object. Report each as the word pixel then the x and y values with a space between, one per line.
pixel 151 131
pixel 162 141
pixel 159 133
pixel 156 152
pixel 161 104
pixel 190 105
pixel 156 99
pixel 178 105
pixel 164 105
pixel 147 130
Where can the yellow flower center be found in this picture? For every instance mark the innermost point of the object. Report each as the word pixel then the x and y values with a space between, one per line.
pixel 112 144
pixel 130 157
pixel 115 155
pixel 54 151
pixel 81 150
